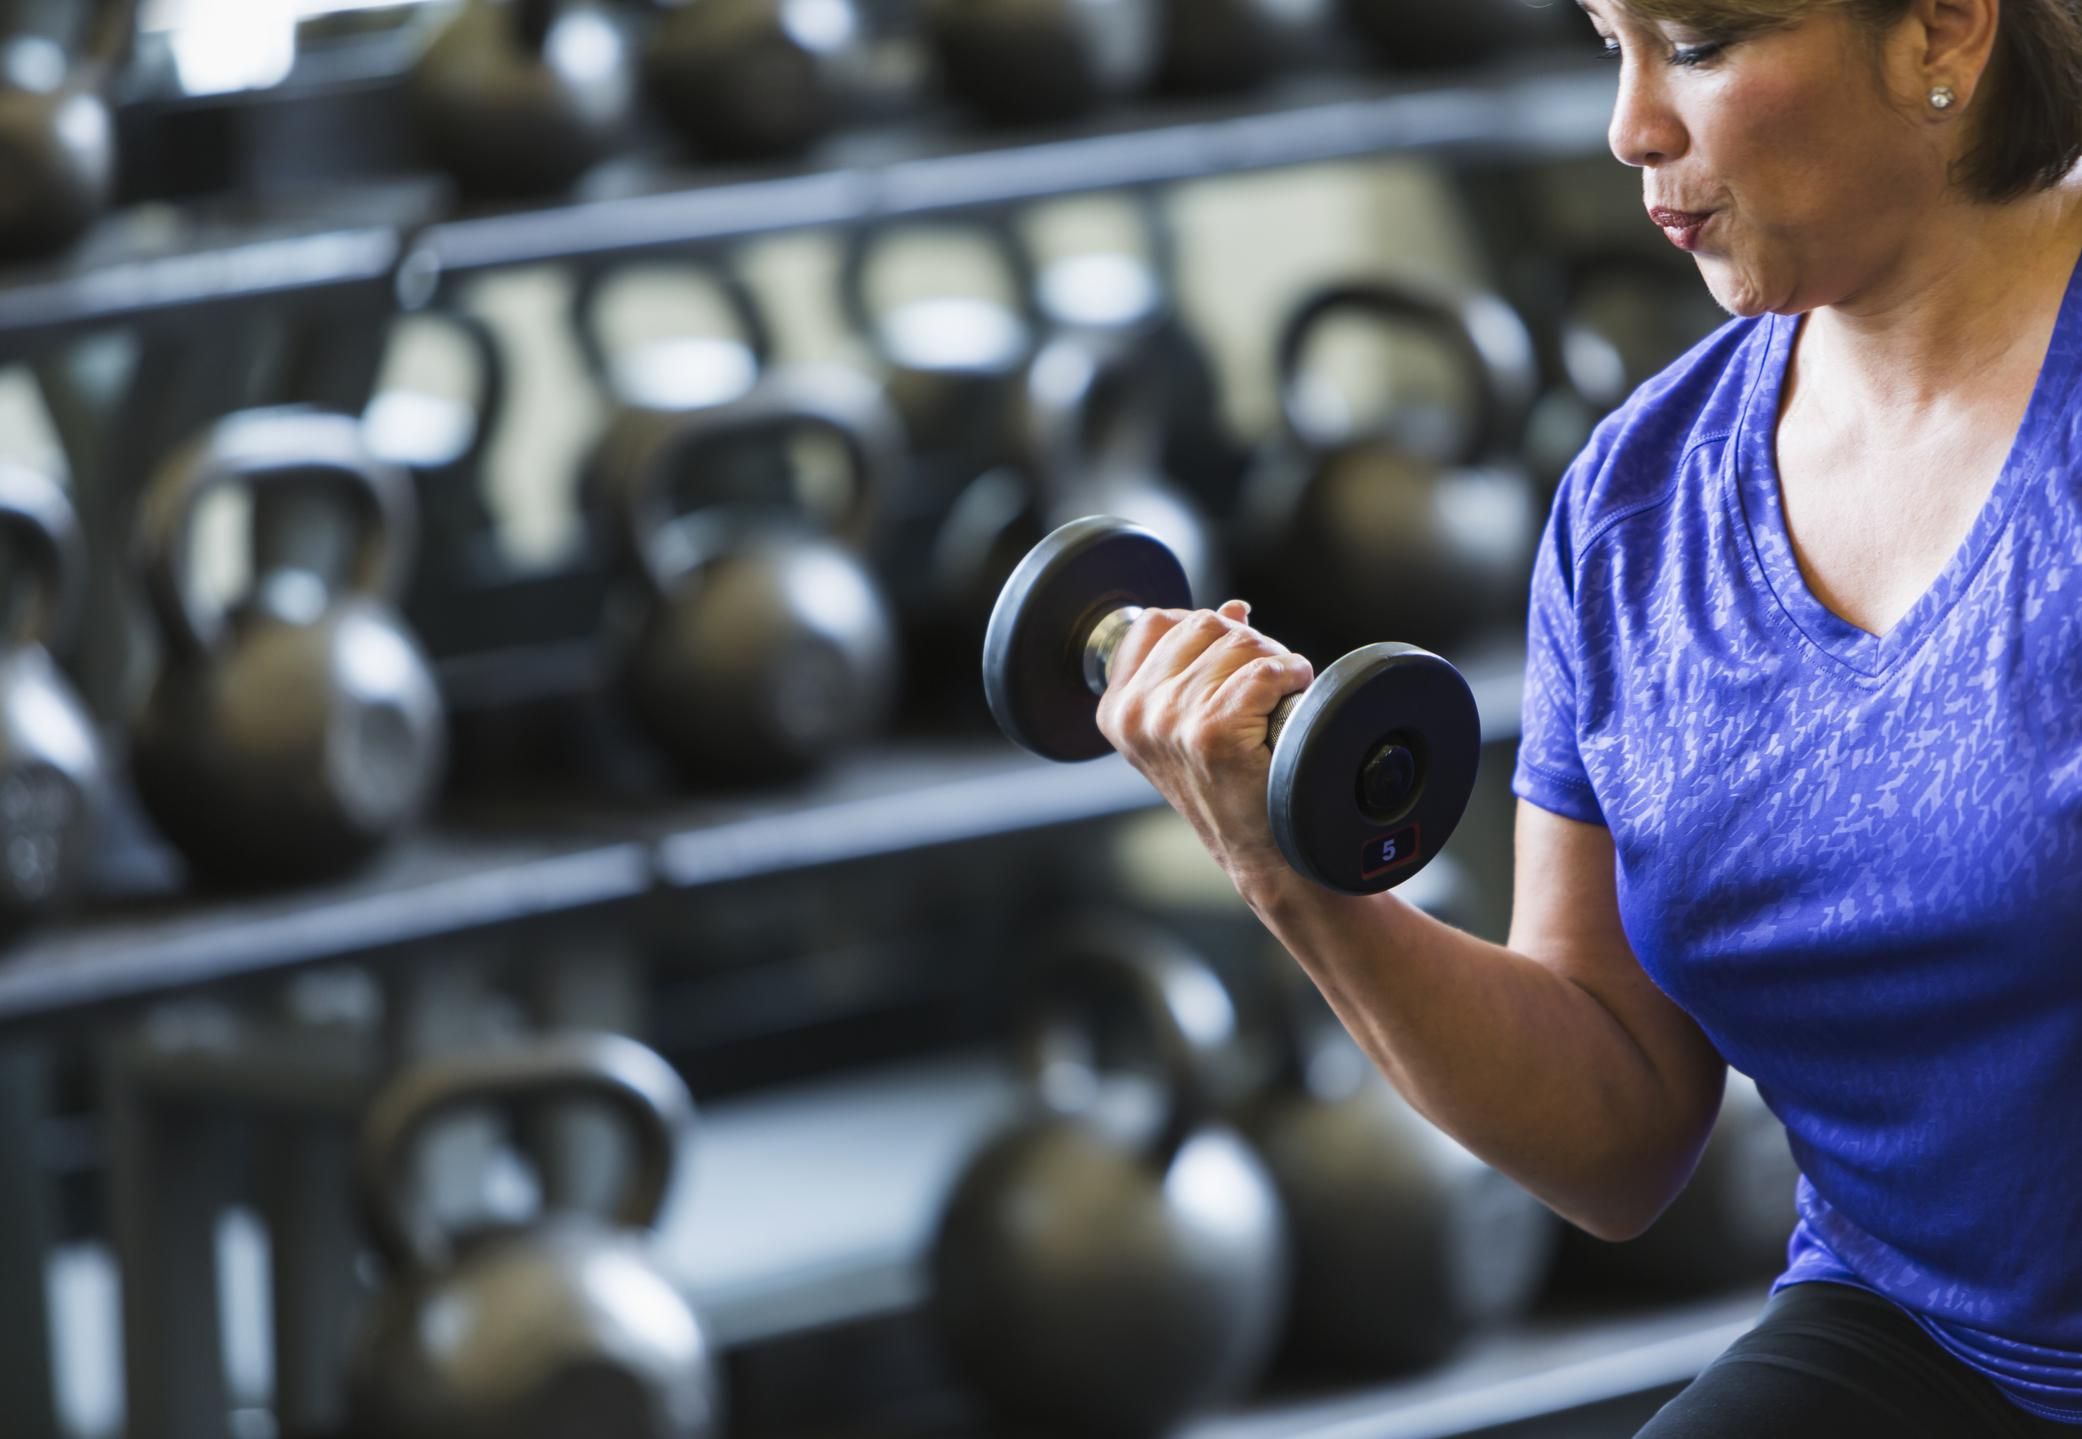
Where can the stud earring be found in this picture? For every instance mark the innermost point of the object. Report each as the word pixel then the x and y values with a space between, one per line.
pixel 1942 96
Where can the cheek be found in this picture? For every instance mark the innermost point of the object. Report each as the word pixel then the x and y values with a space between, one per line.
pixel 1802 152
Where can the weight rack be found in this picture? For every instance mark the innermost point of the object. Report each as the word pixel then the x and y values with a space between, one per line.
pixel 476 876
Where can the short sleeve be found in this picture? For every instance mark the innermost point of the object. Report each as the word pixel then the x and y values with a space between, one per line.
pixel 1550 770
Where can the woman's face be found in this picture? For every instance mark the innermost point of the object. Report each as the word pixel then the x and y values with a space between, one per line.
pixel 1809 176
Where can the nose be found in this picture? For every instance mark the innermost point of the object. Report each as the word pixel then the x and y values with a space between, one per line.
pixel 1645 130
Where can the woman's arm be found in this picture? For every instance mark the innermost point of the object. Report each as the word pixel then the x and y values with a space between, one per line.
pixel 1554 1058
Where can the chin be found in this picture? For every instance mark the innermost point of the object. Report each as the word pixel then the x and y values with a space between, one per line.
pixel 1732 289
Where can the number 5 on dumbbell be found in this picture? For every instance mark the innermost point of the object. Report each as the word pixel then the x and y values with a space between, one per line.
pixel 1372 764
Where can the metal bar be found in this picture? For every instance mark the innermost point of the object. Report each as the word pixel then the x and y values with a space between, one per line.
pixel 168 1182
pixel 28 1229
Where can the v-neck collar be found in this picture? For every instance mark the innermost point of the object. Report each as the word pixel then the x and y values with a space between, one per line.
pixel 1754 483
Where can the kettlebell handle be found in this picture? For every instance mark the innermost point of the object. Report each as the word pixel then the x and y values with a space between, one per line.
pixel 494 381
pixel 833 400
pixel 588 296
pixel 286 445
pixel 1172 995
pixel 1486 335
pixel 34 508
pixel 638 1087
pixel 863 243
pixel 1070 387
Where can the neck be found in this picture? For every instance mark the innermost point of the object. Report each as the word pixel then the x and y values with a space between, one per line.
pixel 1974 296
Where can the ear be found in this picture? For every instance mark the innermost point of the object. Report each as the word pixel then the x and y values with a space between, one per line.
pixel 1951 42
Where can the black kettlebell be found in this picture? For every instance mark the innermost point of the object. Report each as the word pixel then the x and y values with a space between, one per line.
pixel 754 79
pixel 1422 521
pixel 1224 46
pixel 561 1327
pixel 294 735
pixel 649 382
pixel 440 439
pixel 765 648
pixel 952 364
pixel 1091 443
pixel 1040 60
pixel 521 97
pixel 57 132
pixel 53 781
pixel 1619 320
pixel 1405 1244
pixel 1112 1278
pixel 1425 35
pixel 1130 296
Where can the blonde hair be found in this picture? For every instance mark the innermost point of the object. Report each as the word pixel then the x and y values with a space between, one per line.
pixel 2028 129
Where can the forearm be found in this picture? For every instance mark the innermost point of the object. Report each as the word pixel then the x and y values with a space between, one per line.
pixel 1526 1068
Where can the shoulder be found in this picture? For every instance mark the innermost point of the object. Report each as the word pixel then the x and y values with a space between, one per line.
pixel 1636 457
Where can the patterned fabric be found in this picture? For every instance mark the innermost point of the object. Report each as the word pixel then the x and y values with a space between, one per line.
pixel 1856 861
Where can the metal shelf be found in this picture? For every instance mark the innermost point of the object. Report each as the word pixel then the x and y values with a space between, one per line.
pixel 531 858
pixel 921 168
pixel 155 261
pixel 160 262
pixel 433 886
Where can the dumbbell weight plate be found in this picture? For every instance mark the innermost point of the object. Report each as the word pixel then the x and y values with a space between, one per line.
pixel 1033 651
pixel 1374 768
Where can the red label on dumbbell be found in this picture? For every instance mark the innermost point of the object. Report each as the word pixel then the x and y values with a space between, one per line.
pixel 1390 851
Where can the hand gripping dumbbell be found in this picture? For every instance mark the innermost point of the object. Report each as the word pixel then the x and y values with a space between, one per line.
pixel 1372 764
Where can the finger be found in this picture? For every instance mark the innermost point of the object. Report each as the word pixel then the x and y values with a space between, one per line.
pixel 1238 610
pixel 1142 637
pixel 1184 643
pixel 1258 687
pixel 1206 674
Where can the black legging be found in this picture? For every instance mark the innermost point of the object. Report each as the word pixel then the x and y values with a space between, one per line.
pixel 1830 1360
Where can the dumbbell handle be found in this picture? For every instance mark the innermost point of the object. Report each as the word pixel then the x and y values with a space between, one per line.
pixel 1104 642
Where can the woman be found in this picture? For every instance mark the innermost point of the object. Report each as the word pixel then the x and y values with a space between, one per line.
pixel 1801 776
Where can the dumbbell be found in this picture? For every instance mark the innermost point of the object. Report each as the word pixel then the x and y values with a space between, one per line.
pixel 1372 764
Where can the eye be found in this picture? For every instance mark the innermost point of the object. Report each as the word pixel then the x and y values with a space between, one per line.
pixel 1688 56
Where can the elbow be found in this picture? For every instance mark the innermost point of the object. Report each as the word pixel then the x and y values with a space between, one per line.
pixel 1617 1226
pixel 1628 1194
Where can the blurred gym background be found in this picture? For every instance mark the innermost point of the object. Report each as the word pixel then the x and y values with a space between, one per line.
pixel 517 918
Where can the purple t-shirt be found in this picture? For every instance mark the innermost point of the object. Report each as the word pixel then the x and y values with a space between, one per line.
pixel 1856 861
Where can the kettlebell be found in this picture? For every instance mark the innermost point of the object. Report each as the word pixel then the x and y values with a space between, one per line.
pixel 647 382
pixel 521 97
pixel 951 364
pixel 1405 1244
pixel 1023 61
pixel 57 132
pixel 1620 319
pixel 1091 441
pixel 765 648
pixel 1425 35
pixel 53 781
pixel 1113 1278
pixel 1131 296
pixel 293 735
pixel 754 79
pixel 1213 47
pixel 1422 522
pixel 440 440
pixel 563 1327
